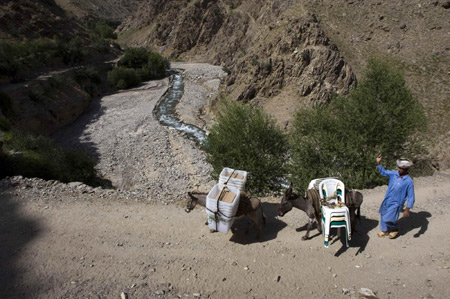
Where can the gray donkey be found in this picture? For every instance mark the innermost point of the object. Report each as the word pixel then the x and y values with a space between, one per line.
pixel 248 206
pixel 311 206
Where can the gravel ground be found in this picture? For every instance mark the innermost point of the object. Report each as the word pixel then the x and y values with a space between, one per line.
pixel 137 154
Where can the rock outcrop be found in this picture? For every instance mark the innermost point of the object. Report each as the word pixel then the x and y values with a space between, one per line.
pixel 268 46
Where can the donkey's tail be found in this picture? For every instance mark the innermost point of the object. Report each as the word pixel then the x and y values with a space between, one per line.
pixel 262 213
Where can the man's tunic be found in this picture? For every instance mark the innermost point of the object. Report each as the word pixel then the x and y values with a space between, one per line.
pixel 400 189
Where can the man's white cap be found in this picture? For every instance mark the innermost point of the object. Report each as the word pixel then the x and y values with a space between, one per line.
pixel 404 163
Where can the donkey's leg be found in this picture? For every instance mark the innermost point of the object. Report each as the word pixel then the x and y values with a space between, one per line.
pixel 308 228
pixel 253 220
pixel 318 221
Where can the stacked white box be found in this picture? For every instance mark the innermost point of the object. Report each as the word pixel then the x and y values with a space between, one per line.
pixel 233 182
pixel 227 211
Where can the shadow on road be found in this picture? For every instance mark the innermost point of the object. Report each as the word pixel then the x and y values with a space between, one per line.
pixel 360 238
pixel 270 230
pixel 414 221
pixel 16 232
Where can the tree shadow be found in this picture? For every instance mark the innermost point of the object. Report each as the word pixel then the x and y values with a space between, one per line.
pixel 269 232
pixel 16 232
pixel 360 238
pixel 414 221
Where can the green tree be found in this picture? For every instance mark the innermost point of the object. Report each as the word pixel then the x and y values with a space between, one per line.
pixel 246 138
pixel 123 78
pixel 343 138
pixel 134 58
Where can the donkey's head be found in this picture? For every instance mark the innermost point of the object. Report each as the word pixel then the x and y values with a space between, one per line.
pixel 286 202
pixel 191 202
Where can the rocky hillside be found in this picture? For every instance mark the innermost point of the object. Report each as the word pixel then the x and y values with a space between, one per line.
pixel 285 53
pixel 100 9
pixel 33 19
pixel 414 35
pixel 272 48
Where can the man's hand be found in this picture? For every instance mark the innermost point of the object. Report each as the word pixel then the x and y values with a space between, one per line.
pixel 406 212
pixel 379 159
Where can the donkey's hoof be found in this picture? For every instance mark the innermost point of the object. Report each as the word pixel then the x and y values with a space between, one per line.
pixel 304 238
pixel 212 231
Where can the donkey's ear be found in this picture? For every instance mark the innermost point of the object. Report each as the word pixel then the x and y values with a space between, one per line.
pixel 289 190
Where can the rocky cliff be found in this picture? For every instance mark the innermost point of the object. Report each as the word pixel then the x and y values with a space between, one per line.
pixel 33 19
pixel 282 54
pixel 270 47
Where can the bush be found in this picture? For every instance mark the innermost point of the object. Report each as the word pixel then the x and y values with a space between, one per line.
pixel 5 103
pixel 149 65
pixel 134 58
pixel 8 65
pixel 105 31
pixel 343 138
pixel 246 138
pixel 89 74
pixel 39 156
pixel 123 78
pixel 4 125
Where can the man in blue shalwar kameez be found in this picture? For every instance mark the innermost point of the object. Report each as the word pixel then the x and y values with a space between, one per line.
pixel 400 189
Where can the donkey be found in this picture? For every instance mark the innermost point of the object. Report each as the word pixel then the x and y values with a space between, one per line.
pixel 292 200
pixel 311 206
pixel 248 206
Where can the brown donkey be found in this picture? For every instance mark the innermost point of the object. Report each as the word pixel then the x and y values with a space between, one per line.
pixel 311 206
pixel 248 206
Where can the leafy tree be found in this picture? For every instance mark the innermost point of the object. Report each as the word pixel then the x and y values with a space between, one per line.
pixel 246 138
pixel 105 31
pixel 123 78
pixel 40 156
pixel 134 58
pixel 343 138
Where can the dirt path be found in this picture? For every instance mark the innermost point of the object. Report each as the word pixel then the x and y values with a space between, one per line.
pixel 76 244
pixel 72 241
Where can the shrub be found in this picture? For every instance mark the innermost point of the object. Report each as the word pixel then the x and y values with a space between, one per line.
pixel 90 74
pixel 5 103
pixel 246 138
pixel 4 125
pixel 123 78
pixel 39 156
pixel 134 58
pixel 105 31
pixel 343 138
pixel 8 65
pixel 149 65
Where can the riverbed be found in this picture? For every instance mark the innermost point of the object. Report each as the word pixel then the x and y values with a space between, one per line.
pixel 134 151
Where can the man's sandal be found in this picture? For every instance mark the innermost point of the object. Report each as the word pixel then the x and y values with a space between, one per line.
pixel 382 234
pixel 392 235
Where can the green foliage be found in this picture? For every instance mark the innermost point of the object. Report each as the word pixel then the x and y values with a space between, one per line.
pixel 5 103
pixel 343 138
pixel 90 74
pixel 105 31
pixel 134 58
pixel 246 138
pixel 150 65
pixel 8 65
pixel 123 78
pixel 4 125
pixel 38 156
pixel 29 54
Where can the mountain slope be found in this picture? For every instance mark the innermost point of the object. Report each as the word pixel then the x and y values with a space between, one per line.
pixel 283 54
pixel 271 47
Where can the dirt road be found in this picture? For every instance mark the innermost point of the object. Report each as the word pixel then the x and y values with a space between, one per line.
pixel 72 241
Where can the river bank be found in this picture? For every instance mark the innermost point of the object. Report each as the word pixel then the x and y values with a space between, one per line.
pixel 134 151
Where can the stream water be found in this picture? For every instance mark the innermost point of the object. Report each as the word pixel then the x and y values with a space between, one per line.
pixel 165 111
